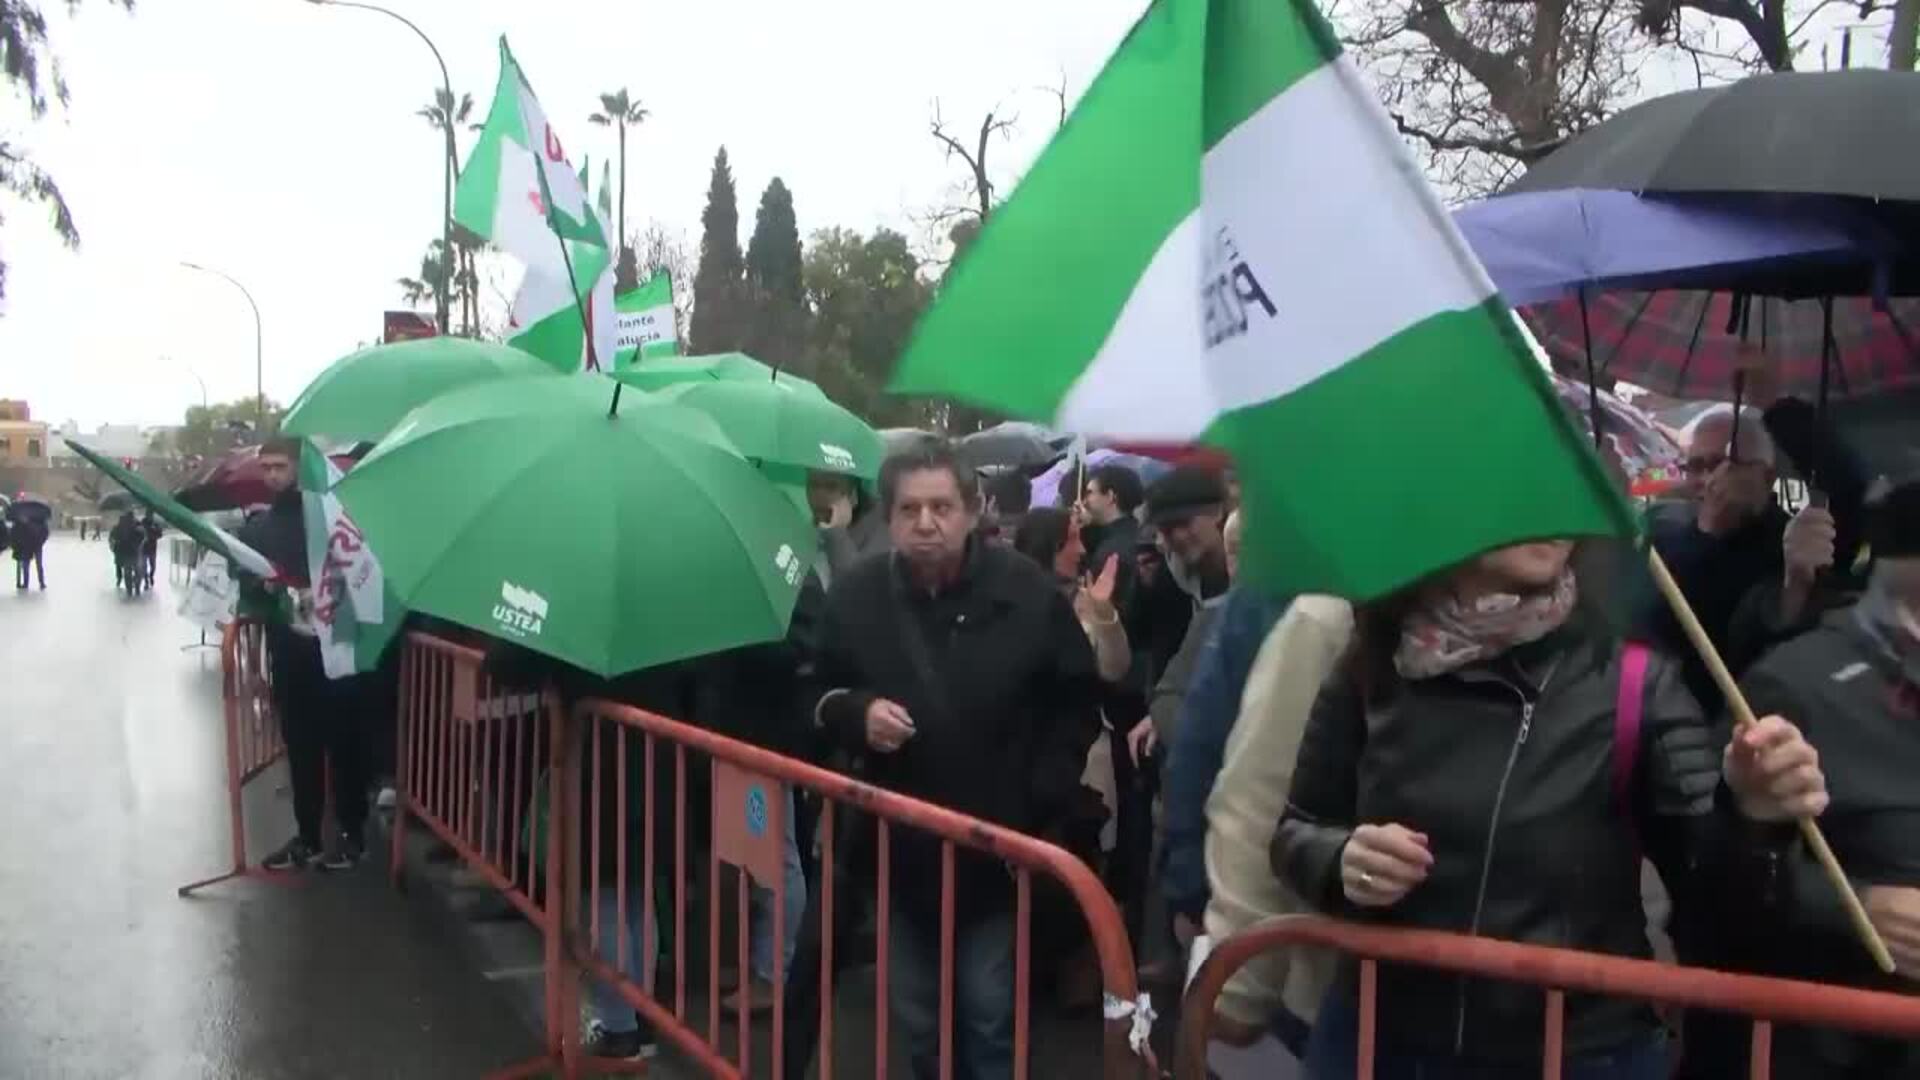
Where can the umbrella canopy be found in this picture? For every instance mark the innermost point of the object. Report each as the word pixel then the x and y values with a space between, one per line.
pixel 26 506
pixel 362 395
pixel 1650 458
pixel 230 483
pixel 781 424
pixel 613 540
pixel 1848 133
pixel 115 501
pixel 1542 245
pixel 668 370
pixel 1046 486
pixel 1680 342
pixel 1014 444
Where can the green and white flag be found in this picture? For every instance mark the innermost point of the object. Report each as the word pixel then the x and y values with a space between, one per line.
pixel 519 192
pixel 517 189
pixel 1227 240
pixel 646 320
pixel 350 609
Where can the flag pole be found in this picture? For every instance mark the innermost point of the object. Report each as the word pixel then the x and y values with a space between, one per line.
pixel 586 319
pixel 1742 717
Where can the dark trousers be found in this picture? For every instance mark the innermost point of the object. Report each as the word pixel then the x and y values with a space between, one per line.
pixel 982 994
pixel 320 721
pixel 22 566
pixel 852 897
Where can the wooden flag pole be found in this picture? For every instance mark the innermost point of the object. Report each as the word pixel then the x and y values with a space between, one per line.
pixel 1743 716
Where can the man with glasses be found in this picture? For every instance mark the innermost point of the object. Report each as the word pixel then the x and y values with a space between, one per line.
pixel 1733 541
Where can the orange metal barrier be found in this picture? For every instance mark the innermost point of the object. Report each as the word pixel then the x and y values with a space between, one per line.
pixel 253 735
pixel 472 755
pixel 752 784
pixel 1556 971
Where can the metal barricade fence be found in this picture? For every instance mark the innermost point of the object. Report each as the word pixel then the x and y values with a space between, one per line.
pixel 474 767
pixel 750 789
pixel 252 734
pixel 1767 1001
pixel 183 554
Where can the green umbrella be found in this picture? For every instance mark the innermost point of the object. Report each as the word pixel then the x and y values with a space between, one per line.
pixel 777 424
pixel 611 533
pixel 209 536
pixel 673 370
pixel 362 395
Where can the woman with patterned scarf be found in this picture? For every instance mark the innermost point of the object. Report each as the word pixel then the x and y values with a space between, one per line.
pixel 1468 768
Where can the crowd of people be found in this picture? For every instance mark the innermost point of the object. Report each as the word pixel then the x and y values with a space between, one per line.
pixel 1503 749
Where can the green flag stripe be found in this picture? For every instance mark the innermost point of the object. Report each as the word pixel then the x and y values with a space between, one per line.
pixel 1397 390
pixel 1079 236
pixel 479 188
pixel 1256 49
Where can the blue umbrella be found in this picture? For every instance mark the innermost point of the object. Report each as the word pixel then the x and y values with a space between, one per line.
pixel 1544 245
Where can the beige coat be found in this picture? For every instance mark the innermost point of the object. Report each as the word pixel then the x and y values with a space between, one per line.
pixel 1247 800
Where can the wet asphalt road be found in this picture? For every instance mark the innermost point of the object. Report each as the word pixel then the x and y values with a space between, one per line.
pixel 112 774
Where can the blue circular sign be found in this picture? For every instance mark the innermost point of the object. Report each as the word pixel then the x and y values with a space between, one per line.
pixel 756 811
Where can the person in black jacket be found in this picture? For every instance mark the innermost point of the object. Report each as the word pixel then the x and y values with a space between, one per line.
pixel 959 670
pixel 1856 678
pixel 1457 774
pixel 317 719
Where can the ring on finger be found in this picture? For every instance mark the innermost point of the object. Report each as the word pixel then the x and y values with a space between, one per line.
pixel 1366 879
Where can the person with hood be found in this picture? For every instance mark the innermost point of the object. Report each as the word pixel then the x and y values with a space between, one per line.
pixel 1855 680
pixel 961 673
pixel 124 543
pixel 317 719
pixel 29 536
pixel 1465 769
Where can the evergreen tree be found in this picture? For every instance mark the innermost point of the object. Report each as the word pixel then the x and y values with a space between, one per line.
pixel 719 283
pixel 774 287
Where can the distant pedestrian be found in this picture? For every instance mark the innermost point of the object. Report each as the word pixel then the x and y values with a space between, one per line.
pixel 150 530
pixel 29 536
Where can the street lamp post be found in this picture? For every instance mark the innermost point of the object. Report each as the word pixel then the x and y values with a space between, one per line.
pixel 259 386
pixel 440 300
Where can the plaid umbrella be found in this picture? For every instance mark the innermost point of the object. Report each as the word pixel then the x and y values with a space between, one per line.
pixel 1679 341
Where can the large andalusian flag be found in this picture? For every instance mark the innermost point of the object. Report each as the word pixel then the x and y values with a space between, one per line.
pixel 519 192
pixel 1228 240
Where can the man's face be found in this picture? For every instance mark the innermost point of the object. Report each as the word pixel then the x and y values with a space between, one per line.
pixel 1194 539
pixel 830 497
pixel 277 471
pixel 1730 491
pixel 1102 507
pixel 929 520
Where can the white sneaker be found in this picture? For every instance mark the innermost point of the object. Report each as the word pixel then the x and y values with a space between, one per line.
pixel 387 798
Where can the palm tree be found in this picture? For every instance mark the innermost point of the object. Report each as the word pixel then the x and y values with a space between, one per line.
pixel 445 115
pixel 433 270
pixel 616 109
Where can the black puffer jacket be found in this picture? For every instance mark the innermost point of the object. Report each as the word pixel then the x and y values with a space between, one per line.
pixel 1863 715
pixel 1506 766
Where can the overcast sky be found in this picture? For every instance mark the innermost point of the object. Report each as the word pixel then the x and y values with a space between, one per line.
pixel 277 141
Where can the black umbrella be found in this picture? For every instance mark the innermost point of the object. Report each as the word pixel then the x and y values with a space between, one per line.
pixel 115 501
pixel 1848 133
pixel 27 507
pixel 1014 444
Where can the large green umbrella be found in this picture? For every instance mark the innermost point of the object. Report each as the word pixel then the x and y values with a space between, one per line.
pixel 611 535
pixel 778 424
pixel 362 395
pixel 670 370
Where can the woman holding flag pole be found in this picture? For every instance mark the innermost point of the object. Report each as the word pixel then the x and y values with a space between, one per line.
pixel 1491 759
